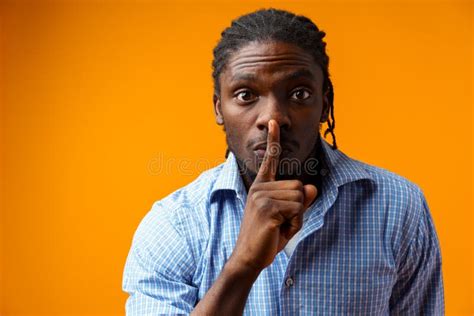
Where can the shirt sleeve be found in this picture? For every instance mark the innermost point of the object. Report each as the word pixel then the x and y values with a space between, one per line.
pixel 419 288
pixel 159 269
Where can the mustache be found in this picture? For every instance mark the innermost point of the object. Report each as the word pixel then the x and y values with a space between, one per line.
pixel 284 142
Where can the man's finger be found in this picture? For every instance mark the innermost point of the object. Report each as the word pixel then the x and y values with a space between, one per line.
pixel 310 192
pixel 268 168
pixel 293 226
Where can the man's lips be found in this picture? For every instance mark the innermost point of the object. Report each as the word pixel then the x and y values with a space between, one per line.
pixel 261 148
pixel 263 145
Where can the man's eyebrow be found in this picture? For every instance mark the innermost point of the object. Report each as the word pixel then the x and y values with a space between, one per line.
pixel 305 73
pixel 243 77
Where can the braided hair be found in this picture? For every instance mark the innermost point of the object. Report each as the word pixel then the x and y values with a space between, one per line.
pixel 277 25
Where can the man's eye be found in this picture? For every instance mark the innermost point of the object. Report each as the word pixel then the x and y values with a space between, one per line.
pixel 301 94
pixel 245 96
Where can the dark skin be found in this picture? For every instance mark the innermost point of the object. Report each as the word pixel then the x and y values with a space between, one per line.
pixel 271 94
pixel 256 86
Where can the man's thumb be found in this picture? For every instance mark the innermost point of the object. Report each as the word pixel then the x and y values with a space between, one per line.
pixel 310 193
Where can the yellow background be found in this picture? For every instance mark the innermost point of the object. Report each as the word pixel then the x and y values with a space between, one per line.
pixel 96 96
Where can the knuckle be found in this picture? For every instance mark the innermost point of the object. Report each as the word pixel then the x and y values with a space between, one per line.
pixel 297 184
pixel 265 203
pixel 299 196
pixel 256 195
pixel 254 188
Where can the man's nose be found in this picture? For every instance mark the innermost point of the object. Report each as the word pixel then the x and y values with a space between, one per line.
pixel 272 108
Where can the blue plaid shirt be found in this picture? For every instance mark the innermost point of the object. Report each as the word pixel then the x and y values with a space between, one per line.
pixel 368 247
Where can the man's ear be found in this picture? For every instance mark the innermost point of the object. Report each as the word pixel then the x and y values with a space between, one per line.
pixel 217 110
pixel 326 105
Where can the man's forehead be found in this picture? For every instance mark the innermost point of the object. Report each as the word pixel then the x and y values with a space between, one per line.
pixel 289 59
pixel 284 75
pixel 260 52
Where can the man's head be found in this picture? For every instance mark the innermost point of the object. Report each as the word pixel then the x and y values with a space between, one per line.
pixel 272 64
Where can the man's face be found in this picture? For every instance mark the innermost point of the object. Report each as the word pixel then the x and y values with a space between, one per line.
pixel 271 80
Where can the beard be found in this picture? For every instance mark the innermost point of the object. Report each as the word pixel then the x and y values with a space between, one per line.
pixel 289 167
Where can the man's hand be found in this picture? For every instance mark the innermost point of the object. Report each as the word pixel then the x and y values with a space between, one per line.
pixel 274 210
pixel 273 214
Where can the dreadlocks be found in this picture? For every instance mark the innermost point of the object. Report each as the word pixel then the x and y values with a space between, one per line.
pixel 278 25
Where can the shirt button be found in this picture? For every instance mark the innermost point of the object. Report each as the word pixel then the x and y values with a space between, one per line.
pixel 289 282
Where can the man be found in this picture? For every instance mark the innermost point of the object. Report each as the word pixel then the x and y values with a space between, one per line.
pixel 288 224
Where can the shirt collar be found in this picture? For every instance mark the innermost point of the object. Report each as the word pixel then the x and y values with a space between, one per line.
pixel 339 169
pixel 229 178
pixel 342 169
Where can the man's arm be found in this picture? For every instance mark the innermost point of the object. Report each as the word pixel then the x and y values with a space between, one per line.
pixel 273 215
pixel 419 289
pixel 159 269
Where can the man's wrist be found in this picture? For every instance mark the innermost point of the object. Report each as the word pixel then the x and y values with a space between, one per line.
pixel 239 269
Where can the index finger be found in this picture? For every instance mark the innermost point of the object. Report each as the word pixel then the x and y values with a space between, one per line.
pixel 268 169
